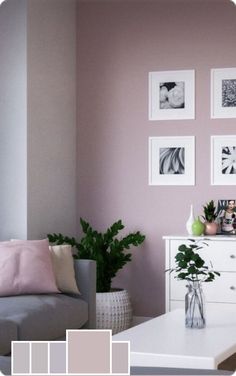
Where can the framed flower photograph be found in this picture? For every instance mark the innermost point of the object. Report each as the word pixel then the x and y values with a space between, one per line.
pixel 223 93
pixel 172 95
pixel 223 160
pixel 172 160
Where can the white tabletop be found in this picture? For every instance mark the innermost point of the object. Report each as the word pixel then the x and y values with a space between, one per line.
pixel 165 342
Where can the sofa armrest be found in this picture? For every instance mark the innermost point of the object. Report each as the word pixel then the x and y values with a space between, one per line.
pixel 85 274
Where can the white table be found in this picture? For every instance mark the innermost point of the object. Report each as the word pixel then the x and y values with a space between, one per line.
pixel 165 342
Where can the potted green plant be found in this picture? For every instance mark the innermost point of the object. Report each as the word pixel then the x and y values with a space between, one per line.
pixel 210 216
pixel 190 266
pixel 110 254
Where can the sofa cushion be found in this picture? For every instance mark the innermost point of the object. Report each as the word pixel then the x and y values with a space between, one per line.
pixel 44 317
pixel 63 267
pixel 8 333
pixel 62 264
pixel 22 265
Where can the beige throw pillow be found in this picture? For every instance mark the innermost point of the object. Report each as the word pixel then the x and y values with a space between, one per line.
pixel 63 267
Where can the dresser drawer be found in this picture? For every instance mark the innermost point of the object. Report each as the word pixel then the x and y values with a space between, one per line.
pixel 223 289
pixel 222 254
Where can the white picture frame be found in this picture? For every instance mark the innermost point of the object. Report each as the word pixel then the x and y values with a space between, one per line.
pixel 223 93
pixel 172 95
pixel 223 168
pixel 172 160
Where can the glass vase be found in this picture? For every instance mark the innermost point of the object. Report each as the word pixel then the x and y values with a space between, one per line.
pixel 195 306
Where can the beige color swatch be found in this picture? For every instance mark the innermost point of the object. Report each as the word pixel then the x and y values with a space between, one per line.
pixel 89 351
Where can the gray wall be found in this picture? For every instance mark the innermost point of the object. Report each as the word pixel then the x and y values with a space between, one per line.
pixel 51 117
pixel 37 118
pixel 13 119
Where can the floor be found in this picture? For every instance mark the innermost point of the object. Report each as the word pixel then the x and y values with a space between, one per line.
pixel 139 320
pixel 174 371
pixel 228 364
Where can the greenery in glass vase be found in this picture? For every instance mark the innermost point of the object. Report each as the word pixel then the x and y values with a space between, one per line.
pixel 106 249
pixel 189 264
pixel 210 213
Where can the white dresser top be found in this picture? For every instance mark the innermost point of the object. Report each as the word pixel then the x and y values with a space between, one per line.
pixel 204 237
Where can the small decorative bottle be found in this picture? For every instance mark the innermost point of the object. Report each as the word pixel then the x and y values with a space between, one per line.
pixel 190 221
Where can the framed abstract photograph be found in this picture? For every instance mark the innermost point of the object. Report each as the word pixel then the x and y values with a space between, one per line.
pixel 223 160
pixel 172 160
pixel 172 95
pixel 223 93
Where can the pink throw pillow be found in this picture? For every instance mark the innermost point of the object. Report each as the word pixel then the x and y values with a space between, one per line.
pixel 26 268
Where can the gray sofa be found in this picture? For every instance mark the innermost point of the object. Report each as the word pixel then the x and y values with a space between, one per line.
pixel 47 316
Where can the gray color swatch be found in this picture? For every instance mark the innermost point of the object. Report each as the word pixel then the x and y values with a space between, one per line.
pixel 21 355
pixel 120 357
pixel 39 358
pixel 57 356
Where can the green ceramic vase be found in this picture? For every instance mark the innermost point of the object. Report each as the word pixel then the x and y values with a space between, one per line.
pixel 198 227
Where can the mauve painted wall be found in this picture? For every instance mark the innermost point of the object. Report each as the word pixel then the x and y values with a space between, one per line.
pixel 119 42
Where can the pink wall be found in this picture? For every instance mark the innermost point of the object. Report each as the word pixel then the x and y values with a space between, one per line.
pixel 119 42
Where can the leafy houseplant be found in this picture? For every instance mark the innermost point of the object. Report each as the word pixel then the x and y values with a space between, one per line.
pixel 192 268
pixel 210 215
pixel 209 212
pixel 105 248
pixel 113 308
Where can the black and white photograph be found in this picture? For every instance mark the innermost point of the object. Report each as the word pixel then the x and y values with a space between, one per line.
pixel 172 95
pixel 229 160
pixel 229 93
pixel 172 161
pixel 223 93
pixel 223 160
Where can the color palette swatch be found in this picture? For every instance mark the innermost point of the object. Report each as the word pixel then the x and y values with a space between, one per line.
pixel 90 352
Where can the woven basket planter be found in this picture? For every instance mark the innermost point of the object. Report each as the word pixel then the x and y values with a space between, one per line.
pixel 114 310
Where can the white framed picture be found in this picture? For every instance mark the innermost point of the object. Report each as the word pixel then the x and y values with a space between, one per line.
pixel 223 93
pixel 172 95
pixel 172 160
pixel 223 160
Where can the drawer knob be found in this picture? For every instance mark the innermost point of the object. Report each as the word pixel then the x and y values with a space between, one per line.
pixel 232 288
pixel 232 256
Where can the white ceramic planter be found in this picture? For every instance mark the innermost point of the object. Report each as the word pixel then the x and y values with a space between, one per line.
pixel 113 310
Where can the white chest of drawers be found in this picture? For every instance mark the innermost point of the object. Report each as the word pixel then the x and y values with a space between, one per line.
pixel 221 252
